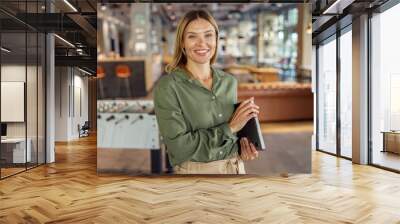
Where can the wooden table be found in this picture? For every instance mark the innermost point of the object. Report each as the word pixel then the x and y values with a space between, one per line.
pixel 391 141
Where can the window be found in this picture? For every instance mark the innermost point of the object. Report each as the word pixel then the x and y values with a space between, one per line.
pixel 327 97
pixel 22 75
pixel 385 89
pixel 346 94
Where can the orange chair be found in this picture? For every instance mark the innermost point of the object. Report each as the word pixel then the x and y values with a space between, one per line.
pixel 123 71
pixel 100 72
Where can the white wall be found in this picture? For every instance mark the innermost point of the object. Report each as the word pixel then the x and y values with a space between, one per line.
pixel 33 126
pixel 12 73
pixel 79 117
pixel 71 93
pixel 61 103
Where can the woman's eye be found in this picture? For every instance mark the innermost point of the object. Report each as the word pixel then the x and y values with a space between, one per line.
pixel 190 37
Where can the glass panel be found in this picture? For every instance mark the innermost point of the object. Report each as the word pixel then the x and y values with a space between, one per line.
pixel 14 146
pixel 327 97
pixel 32 83
pixel 22 77
pixel 11 20
pixel 314 84
pixel 41 98
pixel 346 94
pixel 31 97
pixel 13 87
pixel 386 89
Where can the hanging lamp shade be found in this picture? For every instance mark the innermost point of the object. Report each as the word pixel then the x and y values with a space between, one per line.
pixel 100 72
pixel 122 71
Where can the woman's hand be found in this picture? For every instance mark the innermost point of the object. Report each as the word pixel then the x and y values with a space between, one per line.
pixel 246 110
pixel 248 150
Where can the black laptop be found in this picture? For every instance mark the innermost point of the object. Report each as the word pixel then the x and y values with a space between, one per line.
pixel 252 131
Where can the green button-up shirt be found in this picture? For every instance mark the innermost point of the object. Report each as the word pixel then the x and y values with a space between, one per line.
pixel 193 120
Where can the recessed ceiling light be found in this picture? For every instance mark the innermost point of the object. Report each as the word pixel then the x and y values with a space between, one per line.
pixel 70 5
pixel 86 72
pixel 64 40
pixel 337 7
pixel 5 50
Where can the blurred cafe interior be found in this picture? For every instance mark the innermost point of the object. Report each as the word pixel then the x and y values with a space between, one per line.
pixel 266 47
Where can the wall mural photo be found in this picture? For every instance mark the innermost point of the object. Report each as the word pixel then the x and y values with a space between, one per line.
pixel 205 88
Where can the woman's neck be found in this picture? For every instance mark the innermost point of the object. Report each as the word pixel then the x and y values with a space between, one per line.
pixel 199 71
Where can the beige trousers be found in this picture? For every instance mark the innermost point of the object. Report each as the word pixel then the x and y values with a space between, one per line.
pixel 233 165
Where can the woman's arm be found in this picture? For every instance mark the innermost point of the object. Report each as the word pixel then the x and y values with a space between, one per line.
pixel 183 143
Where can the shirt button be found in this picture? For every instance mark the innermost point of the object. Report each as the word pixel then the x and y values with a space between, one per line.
pixel 219 115
pixel 213 97
pixel 220 152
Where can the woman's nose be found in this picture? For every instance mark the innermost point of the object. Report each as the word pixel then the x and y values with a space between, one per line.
pixel 200 41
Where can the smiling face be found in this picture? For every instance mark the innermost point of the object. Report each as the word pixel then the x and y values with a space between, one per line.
pixel 199 41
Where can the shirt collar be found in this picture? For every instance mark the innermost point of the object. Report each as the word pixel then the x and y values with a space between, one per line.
pixel 182 75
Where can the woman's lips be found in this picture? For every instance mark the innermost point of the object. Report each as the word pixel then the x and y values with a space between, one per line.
pixel 201 52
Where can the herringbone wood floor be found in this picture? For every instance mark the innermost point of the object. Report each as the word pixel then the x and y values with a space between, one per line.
pixel 70 191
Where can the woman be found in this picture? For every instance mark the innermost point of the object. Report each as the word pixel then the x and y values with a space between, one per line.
pixel 194 104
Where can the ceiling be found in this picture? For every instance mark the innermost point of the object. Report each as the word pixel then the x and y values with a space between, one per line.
pixel 227 14
pixel 327 21
pixel 73 20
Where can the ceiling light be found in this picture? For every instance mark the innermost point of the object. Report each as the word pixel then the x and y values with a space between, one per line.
pixel 86 72
pixel 5 50
pixel 70 5
pixel 338 6
pixel 331 7
pixel 64 40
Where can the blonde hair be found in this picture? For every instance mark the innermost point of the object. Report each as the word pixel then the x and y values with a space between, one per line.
pixel 179 59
